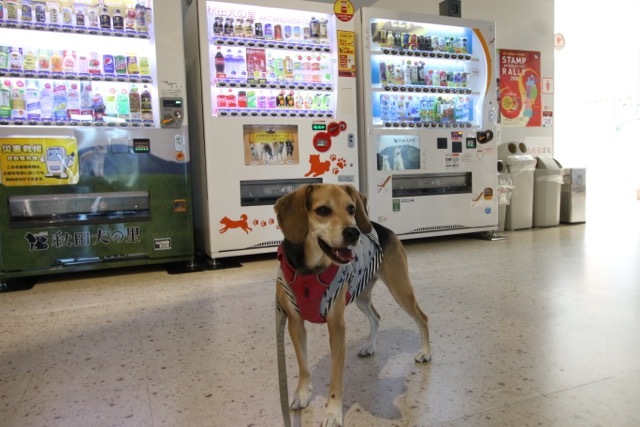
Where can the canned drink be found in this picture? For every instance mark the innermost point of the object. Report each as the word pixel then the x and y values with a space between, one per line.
pixel 277 32
pixel 108 65
pixel 405 39
pixel 268 31
pixel 296 32
pixel 307 33
pixel 41 13
pixel 132 64
pixel 120 64
pixel 231 101
pixel 435 42
pixel 287 31
pixel 262 102
pixel 258 30
pixel 221 101
pixel 218 26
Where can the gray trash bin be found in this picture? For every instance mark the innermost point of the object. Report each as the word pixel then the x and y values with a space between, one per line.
pixel 521 167
pixel 546 192
pixel 573 198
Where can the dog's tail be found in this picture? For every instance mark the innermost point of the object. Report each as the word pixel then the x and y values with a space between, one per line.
pixel 281 321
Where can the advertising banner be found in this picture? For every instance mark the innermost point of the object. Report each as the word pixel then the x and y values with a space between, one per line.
pixel 520 88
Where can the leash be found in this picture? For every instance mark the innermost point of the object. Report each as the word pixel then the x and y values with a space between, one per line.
pixel 281 321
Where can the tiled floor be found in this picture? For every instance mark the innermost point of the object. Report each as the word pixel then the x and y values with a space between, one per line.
pixel 541 329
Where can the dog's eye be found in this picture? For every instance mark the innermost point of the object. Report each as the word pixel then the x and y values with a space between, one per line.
pixel 323 211
pixel 351 210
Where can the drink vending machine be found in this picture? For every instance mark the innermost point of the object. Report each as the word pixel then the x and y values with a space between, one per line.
pixel 273 106
pixel 94 159
pixel 428 103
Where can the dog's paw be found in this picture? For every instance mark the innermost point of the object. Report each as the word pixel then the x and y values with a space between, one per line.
pixel 330 421
pixel 301 399
pixel 366 351
pixel 423 357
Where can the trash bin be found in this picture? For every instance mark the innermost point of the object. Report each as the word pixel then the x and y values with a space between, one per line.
pixel 521 166
pixel 546 192
pixel 504 190
pixel 573 197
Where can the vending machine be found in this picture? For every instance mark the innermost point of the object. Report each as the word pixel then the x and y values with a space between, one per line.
pixel 94 160
pixel 273 106
pixel 428 103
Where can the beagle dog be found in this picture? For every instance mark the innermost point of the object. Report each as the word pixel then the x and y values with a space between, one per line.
pixel 332 254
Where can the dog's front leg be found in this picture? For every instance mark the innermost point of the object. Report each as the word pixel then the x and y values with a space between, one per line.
pixel 337 343
pixel 298 334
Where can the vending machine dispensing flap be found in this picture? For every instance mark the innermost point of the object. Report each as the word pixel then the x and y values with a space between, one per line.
pixel 68 209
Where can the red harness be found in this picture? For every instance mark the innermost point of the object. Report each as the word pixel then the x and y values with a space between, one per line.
pixel 308 289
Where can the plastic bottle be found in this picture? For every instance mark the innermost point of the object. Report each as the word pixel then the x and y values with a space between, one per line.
pixel 69 61
pixel 98 107
pixel 32 98
pixel 123 104
pixel 29 61
pixel 86 100
pixel 59 101
pixel 229 64
pixel 5 99
pixel 146 106
pixel 46 102
pixel 118 20
pixel 134 104
pixel 73 101
pixel 141 17
pixel 219 64
pixel 240 65
pixel 105 19
pixel 110 103
pixel 4 58
pixel 18 104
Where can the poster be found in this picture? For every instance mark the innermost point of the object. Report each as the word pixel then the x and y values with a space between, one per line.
pixel 36 161
pixel 270 145
pixel 520 88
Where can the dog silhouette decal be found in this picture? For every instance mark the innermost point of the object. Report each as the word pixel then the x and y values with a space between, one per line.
pixel 241 223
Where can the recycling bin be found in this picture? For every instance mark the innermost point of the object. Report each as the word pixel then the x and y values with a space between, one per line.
pixel 546 192
pixel 573 196
pixel 521 167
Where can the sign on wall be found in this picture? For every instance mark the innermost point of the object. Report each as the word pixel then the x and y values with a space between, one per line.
pixel 520 88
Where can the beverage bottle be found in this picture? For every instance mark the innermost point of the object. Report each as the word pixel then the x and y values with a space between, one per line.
pixel 144 66
pixel 229 64
pixel 228 27
pixel 110 103
pixel 79 10
pixel 32 97
pixel 18 104
pixel 60 101
pixel 240 65
pixel 46 102
pixel 94 64
pixel 15 59
pixel 218 26
pixel 219 64
pixel 141 16
pixel 134 104
pixel 29 62
pixel 118 20
pixel 289 100
pixel 288 69
pixel 324 30
pixel 390 39
pixel 132 64
pixel 98 107
pixel 130 20
pixel 54 14
pixel 314 28
pixel 69 62
pixel 272 101
pixel 86 100
pixel 73 101
pixel 407 73
pixel 27 11
pixel 401 108
pixel 146 106
pixel 4 58
pixel 93 18
pixel 40 13
pixel 384 107
pixel 56 62
pixel 317 101
pixel 248 28
pixel 123 104
pixel 423 109
pixel 105 19
pixel 242 99
pixel 83 64
pixel 5 99
pixel 66 11
pixel 393 108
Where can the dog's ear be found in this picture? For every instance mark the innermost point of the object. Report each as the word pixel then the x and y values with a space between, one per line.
pixel 291 211
pixel 362 215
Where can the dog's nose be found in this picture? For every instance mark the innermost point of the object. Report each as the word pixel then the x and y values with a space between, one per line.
pixel 350 235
